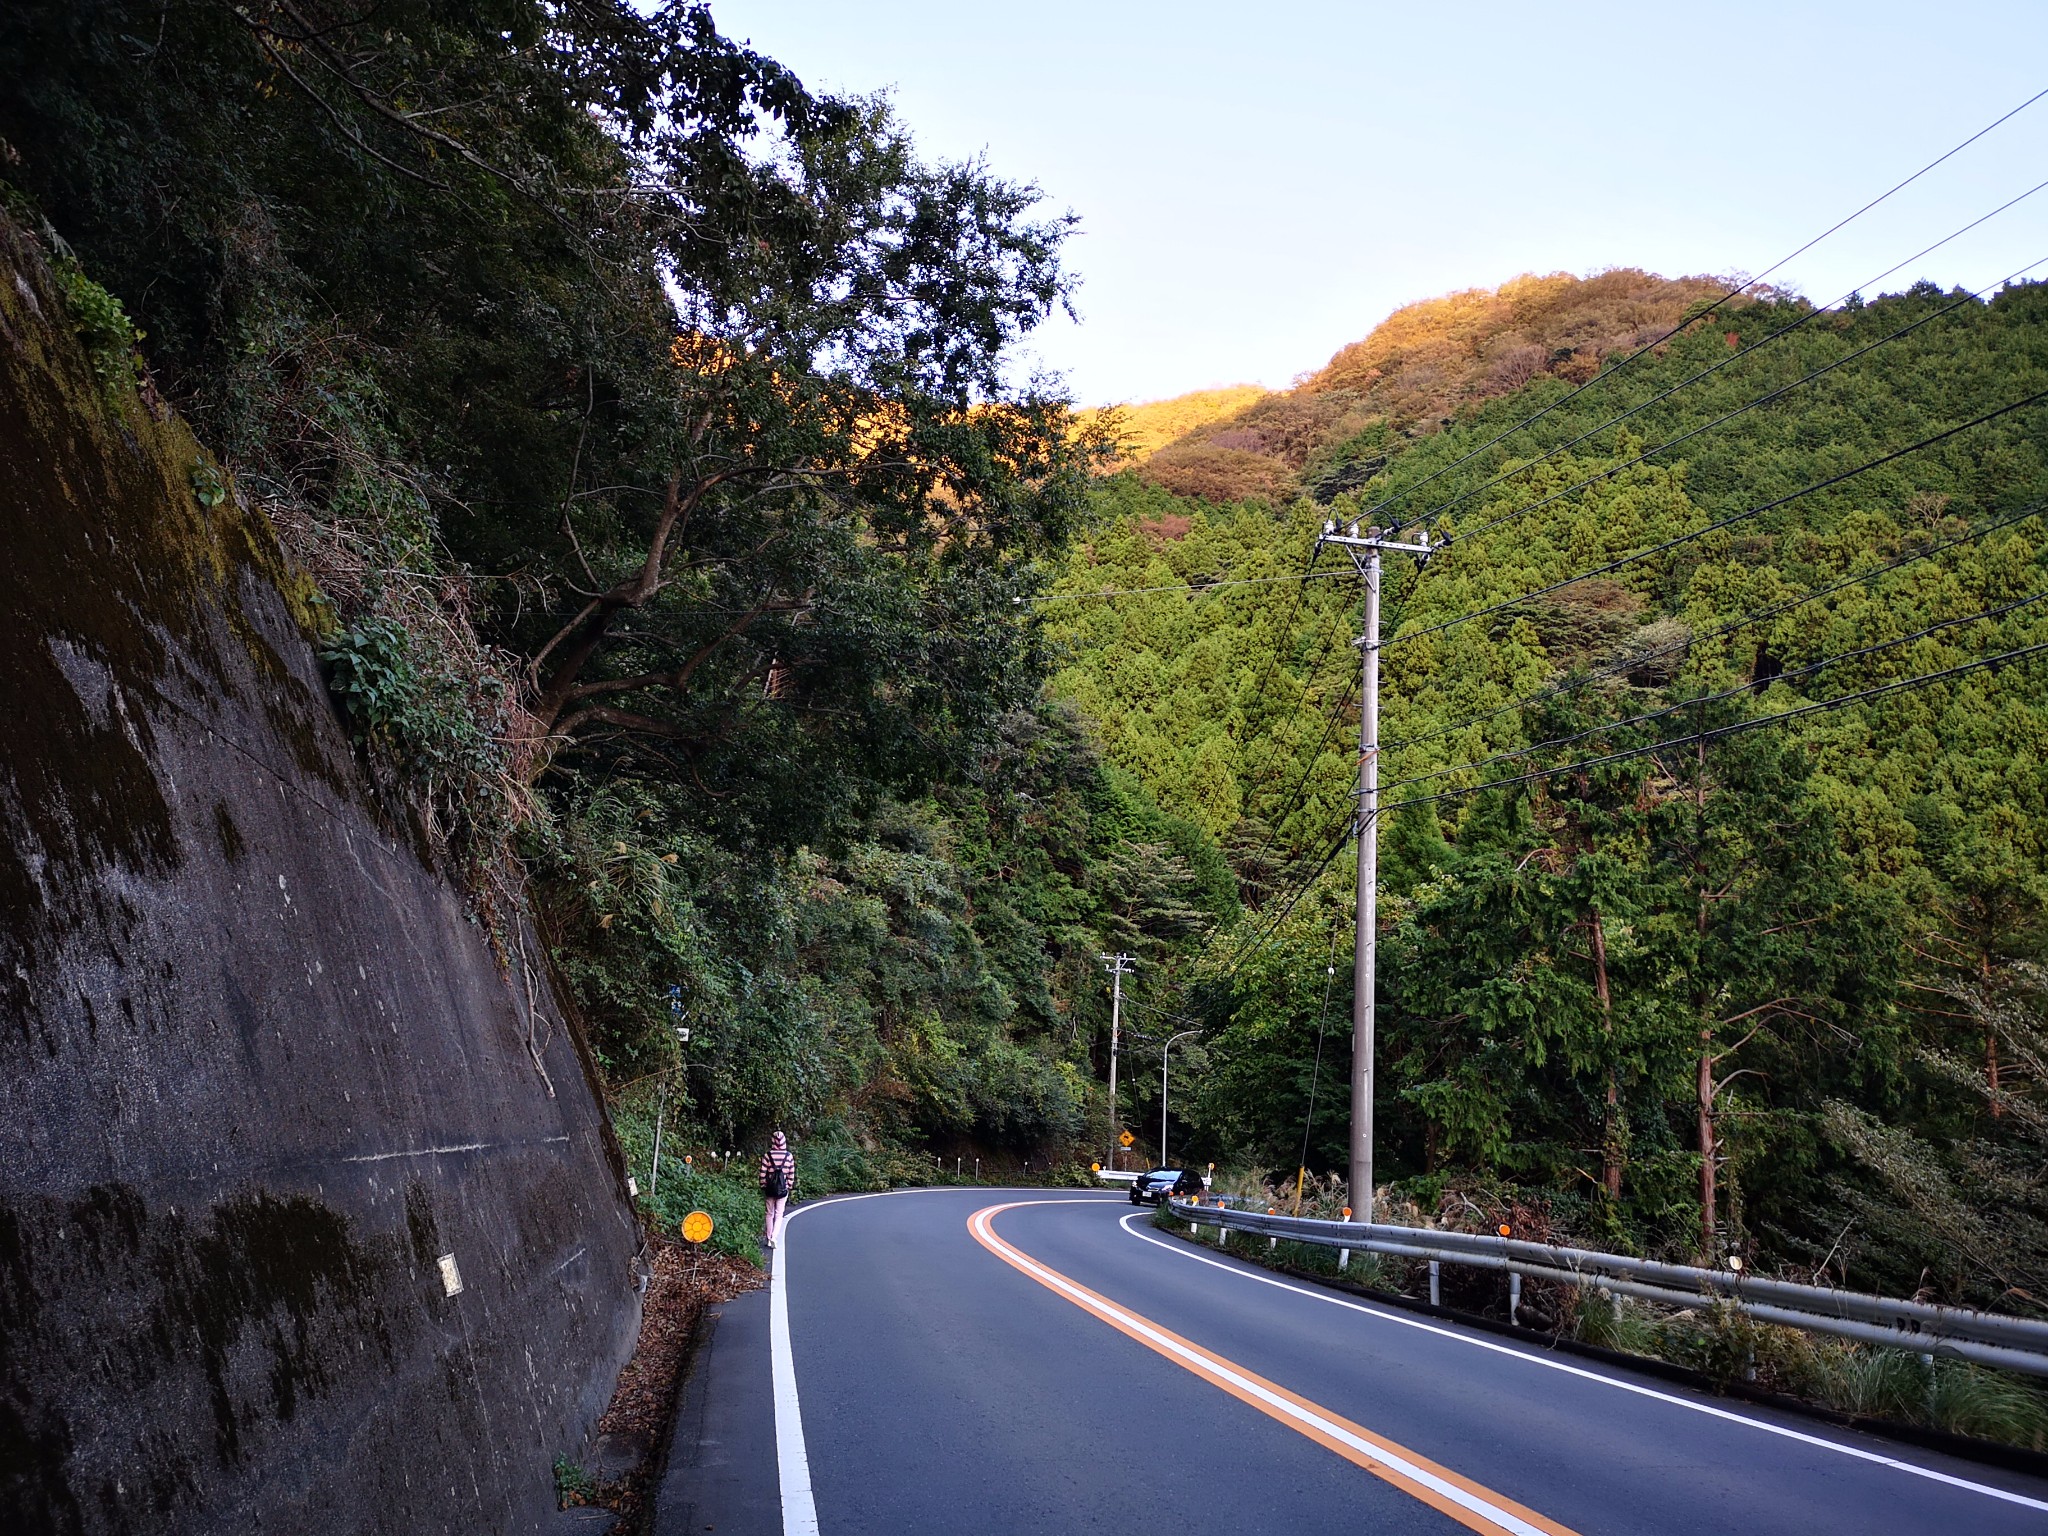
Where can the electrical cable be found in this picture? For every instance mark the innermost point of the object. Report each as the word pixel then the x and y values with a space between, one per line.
pixel 1240 955
pixel 1316 1072
pixel 1809 670
pixel 2017 654
pixel 1192 588
pixel 1727 522
pixel 1288 804
pixel 1433 513
pixel 1733 626
pixel 1879 690
pixel 1747 284
pixel 1237 958
pixel 1741 410
pixel 1335 713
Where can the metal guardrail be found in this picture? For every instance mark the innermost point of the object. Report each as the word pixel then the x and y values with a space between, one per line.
pixel 2014 1343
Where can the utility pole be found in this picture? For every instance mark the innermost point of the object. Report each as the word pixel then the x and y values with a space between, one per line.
pixel 1119 967
pixel 1364 549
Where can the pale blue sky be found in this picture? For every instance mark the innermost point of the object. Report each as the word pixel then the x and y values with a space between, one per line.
pixel 1260 184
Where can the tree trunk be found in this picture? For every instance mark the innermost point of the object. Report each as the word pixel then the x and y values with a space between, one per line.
pixel 1990 1042
pixel 1612 1152
pixel 1709 1144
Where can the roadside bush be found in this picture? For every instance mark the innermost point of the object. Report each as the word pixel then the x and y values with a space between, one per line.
pixel 730 1200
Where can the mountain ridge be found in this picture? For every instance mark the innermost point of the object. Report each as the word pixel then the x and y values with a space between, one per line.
pixel 1411 374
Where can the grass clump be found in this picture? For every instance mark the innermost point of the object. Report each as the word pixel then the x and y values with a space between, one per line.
pixel 1967 1399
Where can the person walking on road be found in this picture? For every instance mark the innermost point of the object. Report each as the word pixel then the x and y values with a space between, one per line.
pixel 778 1183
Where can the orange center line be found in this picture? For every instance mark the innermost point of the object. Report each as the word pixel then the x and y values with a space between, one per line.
pixel 1471 1504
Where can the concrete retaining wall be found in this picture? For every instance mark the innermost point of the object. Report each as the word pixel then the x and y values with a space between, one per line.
pixel 259 1071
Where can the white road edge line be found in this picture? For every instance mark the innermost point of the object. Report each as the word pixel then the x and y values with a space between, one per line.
pixel 1205 1365
pixel 792 1461
pixel 1572 1370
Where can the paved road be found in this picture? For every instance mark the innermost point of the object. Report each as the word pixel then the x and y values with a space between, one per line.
pixel 926 1366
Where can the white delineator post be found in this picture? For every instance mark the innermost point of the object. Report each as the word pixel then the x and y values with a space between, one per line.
pixel 1364 549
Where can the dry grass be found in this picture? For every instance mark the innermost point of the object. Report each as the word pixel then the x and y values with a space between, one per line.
pixel 686 1280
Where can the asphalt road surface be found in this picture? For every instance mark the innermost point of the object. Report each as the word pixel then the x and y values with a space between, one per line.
pixel 975 1361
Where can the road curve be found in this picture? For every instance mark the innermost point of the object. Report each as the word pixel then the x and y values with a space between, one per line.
pixel 946 1361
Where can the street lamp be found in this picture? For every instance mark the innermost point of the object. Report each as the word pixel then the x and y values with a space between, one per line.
pixel 1162 1088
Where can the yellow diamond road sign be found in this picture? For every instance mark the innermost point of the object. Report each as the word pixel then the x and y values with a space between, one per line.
pixel 1126 1139
pixel 696 1226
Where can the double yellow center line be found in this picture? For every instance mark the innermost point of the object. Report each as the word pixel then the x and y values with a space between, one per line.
pixel 1473 1506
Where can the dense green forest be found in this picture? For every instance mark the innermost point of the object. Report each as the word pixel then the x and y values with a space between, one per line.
pixel 644 422
pixel 1807 945
pixel 697 578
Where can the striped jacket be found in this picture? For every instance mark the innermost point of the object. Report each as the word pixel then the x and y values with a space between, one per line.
pixel 783 1159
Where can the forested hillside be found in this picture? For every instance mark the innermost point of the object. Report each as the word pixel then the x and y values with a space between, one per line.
pixel 640 418
pixel 1805 945
pixel 692 572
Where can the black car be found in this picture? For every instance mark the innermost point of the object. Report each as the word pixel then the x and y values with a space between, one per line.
pixel 1153 1188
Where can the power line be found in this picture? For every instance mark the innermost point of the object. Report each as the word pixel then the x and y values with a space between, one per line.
pixel 1880 690
pixel 1335 714
pixel 1749 351
pixel 1863 696
pixel 1808 670
pixel 1740 410
pixel 1237 958
pixel 1608 374
pixel 1726 522
pixel 1316 1072
pixel 1195 589
pixel 1733 626
pixel 1754 404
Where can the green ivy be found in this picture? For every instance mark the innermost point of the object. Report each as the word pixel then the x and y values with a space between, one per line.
pixel 110 337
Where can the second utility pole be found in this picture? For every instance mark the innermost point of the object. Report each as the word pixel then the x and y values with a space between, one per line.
pixel 1119 967
pixel 1364 550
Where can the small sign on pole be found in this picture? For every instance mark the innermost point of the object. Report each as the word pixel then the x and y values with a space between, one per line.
pixel 696 1226
pixel 1126 1139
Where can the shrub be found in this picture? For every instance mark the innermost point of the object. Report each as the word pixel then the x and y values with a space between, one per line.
pixel 102 325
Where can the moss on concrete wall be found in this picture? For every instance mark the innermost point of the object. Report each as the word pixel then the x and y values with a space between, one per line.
pixel 259 1073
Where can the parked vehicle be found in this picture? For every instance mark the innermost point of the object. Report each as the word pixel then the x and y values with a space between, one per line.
pixel 1153 1188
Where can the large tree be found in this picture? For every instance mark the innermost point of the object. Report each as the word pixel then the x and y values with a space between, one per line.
pixel 708 375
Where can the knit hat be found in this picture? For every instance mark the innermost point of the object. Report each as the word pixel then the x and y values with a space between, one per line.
pixel 778 1143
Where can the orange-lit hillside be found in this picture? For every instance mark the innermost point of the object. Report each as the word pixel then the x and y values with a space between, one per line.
pixel 1144 429
pixel 1419 366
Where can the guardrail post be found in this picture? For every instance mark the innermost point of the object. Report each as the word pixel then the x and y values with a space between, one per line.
pixel 1343 1258
pixel 1434 1294
pixel 1514 1295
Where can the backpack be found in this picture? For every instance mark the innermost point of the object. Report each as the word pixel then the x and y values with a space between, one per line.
pixel 776 1185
